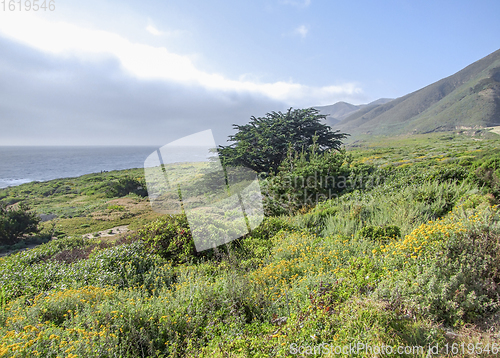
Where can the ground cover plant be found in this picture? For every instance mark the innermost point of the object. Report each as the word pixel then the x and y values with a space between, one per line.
pixel 409 257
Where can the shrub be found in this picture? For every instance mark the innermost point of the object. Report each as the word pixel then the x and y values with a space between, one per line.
pixel 17 222
pixel 116 207
pixel 305 179
pixel 475 200
pixel 449 270
pixel 48 267
pixel 258 244
pixel 379 233
pixel 9 200
pixel 125 186
pixel 170 237
pixel 59 234
pixel 270 226
pixel 486 172
pixel 315 219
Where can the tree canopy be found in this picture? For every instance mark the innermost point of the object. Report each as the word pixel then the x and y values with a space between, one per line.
pixel 263 143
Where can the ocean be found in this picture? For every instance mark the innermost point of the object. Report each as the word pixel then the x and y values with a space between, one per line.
pixel 20 165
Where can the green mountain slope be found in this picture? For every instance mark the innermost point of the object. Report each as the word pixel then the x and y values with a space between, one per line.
pixel 341 110
pixel 469 98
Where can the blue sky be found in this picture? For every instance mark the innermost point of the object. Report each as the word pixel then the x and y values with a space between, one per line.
pixel 149 72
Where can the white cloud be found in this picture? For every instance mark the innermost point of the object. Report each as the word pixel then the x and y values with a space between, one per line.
pixel 149 62
pixel 302 31
pixel 153 30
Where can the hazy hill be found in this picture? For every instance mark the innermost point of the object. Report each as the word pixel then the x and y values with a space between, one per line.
pixel 469 98
pixel 341 110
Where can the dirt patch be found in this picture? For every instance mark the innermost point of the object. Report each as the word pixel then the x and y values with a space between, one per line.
pixel 107 233
pixel 495 130
pixel 76 254
pixel 82 253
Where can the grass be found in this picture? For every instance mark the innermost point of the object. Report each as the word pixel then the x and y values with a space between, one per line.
pixel 321 290
pixel 83 205
pixel 302 280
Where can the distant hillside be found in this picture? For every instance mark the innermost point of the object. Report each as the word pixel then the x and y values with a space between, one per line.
pixel 469 98
pixel 341 110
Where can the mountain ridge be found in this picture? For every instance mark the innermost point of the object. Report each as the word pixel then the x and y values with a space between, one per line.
pixel 467 98
pixel 341 110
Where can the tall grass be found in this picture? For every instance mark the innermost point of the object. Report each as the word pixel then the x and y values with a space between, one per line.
pixel 406 208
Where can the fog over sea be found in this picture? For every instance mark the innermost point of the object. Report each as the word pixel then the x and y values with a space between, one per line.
pixel 20 165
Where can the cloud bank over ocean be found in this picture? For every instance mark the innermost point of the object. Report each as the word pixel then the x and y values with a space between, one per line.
pixel 64 83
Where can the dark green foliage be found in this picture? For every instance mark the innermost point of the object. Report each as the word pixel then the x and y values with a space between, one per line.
pixel 262 144
pixel 125 186
pixel 8 200
pixel 17 222
pixel 270 226
pixel 379 233
pixel 171 238
pixel 486 172
pixel 258 244
pixel 306 179
pixel 3 299
pixel 59 234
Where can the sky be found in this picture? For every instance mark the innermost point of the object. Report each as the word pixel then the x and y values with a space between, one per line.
pixel 102 72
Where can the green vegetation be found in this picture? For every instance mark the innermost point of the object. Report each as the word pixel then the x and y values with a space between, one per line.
pixel 262 144
pixel 125 186
pixel 379 233
pixel 306 178
pixel 87 204
pixel 17 222
pixel 405 254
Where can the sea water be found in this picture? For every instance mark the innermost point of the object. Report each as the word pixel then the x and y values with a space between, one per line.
pixel 20 165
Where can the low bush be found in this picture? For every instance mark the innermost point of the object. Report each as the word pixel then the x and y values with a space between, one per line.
pixel 379 233
pixel 486 172
pixel 448 270
pixel 170 237
pixel 257 245
pixel 46 268
pixel 305 179
pixel 17 222
pixel 116 207
pixel 405 207
pixel 125 186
